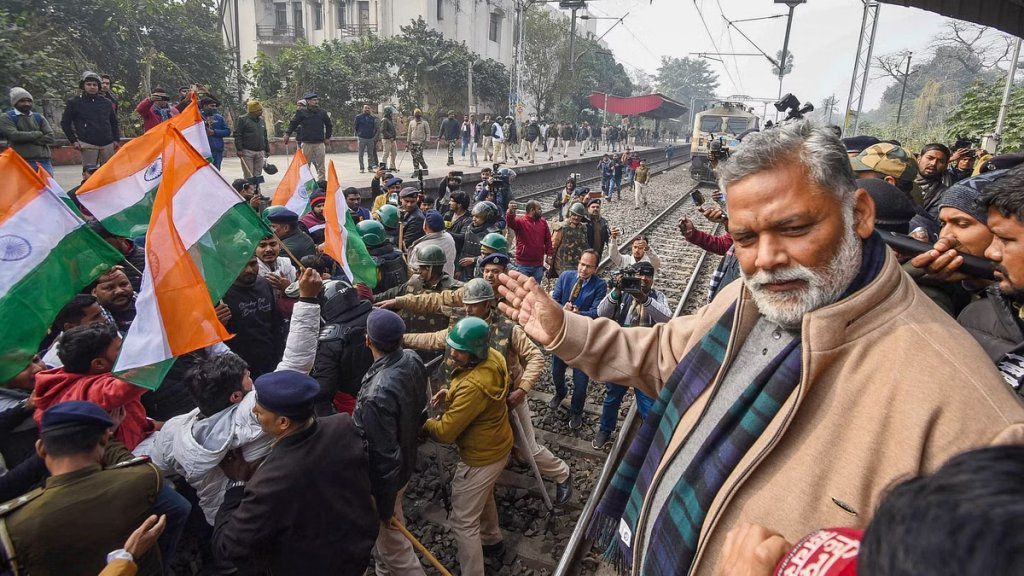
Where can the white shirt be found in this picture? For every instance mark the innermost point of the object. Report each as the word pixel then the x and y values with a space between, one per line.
pixel 499 134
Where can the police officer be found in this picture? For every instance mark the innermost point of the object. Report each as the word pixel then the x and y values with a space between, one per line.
pixel 492 243
pixel 493 266
pixel 598 230
pixel 570 239
pixel 342 357
pixel 525 365
pixel 430 279
pixel 485 214
pixel 390 414
pixel 83 512
pixel 307 509
pixel 392 269
pixel 388 216
pixel 411 218
pixel 393 187
pixel 644 308
pixel 285 224
pixel 476 419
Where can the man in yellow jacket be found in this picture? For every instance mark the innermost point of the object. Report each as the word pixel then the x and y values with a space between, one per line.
pixel 476 419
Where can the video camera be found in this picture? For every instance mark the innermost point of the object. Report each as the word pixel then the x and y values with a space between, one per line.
pixel 964 142
pixel 626 280
pixel 792 104
pixel 717 150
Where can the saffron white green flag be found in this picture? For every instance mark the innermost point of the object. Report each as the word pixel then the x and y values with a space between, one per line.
pixel 174 312
pixel 341 239
pixel 47 255
pixel 120 194
pixel 296 187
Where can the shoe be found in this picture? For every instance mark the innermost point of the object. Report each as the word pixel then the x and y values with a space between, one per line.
pixel 531 161
pixel 601 440
pixel 555 402
pixel 563 490
pixel 494 550
pixel 575 421
pixel 361 171
pixel 393 169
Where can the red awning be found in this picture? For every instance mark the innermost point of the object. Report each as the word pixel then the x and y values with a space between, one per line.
pixel 652 106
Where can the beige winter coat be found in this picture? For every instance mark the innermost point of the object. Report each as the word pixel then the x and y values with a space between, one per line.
pixel 891 388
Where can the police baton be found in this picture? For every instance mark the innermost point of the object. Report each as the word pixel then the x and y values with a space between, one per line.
pixel 416 544
pixel 517 426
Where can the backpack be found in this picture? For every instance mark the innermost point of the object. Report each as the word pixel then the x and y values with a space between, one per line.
pixel 36 115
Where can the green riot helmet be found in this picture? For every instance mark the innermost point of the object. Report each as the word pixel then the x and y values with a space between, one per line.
pixel 471 335
pixel 477 290
pixel 270 211
pixel 430 256
pixel 388 215
pixel 578 209
pixel 372 232
pixel 495 242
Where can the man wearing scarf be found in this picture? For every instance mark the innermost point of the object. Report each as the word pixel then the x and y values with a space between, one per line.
pixel 801 393
pixel 933 178
pixel 156 109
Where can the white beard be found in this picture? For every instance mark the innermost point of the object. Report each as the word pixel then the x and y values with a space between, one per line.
pixel 824 285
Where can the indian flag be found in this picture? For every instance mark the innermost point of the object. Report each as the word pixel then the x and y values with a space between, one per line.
pixel 341 240
pixel 56 189
pixel 174 311
pixel 47 255
pixel 296 187
pixel 120 194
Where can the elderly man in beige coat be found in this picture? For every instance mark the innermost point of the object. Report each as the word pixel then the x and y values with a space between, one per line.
pixel 800 394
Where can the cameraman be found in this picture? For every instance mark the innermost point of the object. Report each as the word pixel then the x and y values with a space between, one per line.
pixel 645 307
pixel 453 183
pixel 155 109
pixel 961 165
pixel 641 251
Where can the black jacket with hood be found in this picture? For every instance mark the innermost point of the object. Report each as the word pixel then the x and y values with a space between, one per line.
pixel 994 323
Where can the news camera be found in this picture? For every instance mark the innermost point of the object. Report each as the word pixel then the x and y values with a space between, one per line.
pixel 626 280
pixel 964 142
pixel 791 105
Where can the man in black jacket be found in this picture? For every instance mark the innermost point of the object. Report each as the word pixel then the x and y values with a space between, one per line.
pixel 90 122
pixel 315 126
pixel 308 508
pixel 390 413
pixel 598 230
pixel 412 217
pixel 285 224
pixel 249 312
pixel 342 357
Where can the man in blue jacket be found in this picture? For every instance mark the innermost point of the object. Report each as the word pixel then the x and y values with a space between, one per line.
pixel 216 129
pixel 578 291
pixel 366 127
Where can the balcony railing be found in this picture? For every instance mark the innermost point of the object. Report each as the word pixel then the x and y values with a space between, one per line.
pixel 284 35
pixel 356 30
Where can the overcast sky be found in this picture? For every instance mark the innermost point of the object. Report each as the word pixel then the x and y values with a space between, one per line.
pixel 823 41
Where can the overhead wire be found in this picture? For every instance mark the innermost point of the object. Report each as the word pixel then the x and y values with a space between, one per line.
pixel 732 48
pixel 712 38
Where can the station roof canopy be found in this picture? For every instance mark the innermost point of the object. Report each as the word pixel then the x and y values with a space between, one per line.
pixel 1005 15
pixel 653 106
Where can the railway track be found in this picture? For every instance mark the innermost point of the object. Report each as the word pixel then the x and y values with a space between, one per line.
pixel 553 542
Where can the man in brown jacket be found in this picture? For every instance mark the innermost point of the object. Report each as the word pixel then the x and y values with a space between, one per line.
pixel 802 392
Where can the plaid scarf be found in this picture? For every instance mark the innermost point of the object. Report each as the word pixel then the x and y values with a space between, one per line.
pixel 673 540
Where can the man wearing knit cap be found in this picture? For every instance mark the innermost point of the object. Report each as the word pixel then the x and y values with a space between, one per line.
pixel 90 122
pixel 933 178
pixel 314 219
pixel 29 133
pixel 307 509
pixel 389 411
pixel 251 143
pixel 435 235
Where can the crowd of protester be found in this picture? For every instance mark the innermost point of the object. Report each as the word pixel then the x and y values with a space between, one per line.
pixel 836 402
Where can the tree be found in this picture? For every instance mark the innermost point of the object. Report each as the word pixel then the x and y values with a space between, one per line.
pixel 685 78
pixel 545 52
pixel 643 83
pixel 976 114
pixel 789 63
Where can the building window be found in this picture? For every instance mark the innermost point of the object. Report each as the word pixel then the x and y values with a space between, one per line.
pixel 440 9
pixel 280 15
pixel 495 31
pixel 297 16
pixel 341 14
pixel 318 16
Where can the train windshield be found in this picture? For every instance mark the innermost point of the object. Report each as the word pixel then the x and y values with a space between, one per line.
pixel 736 125
pixel 711 124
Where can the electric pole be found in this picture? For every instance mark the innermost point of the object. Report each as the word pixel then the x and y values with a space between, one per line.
pixel 785 43
pixel 573 5
pixel 903 92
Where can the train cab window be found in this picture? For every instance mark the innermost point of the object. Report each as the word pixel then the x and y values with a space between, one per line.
pixel 736 125
pixel 711 124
